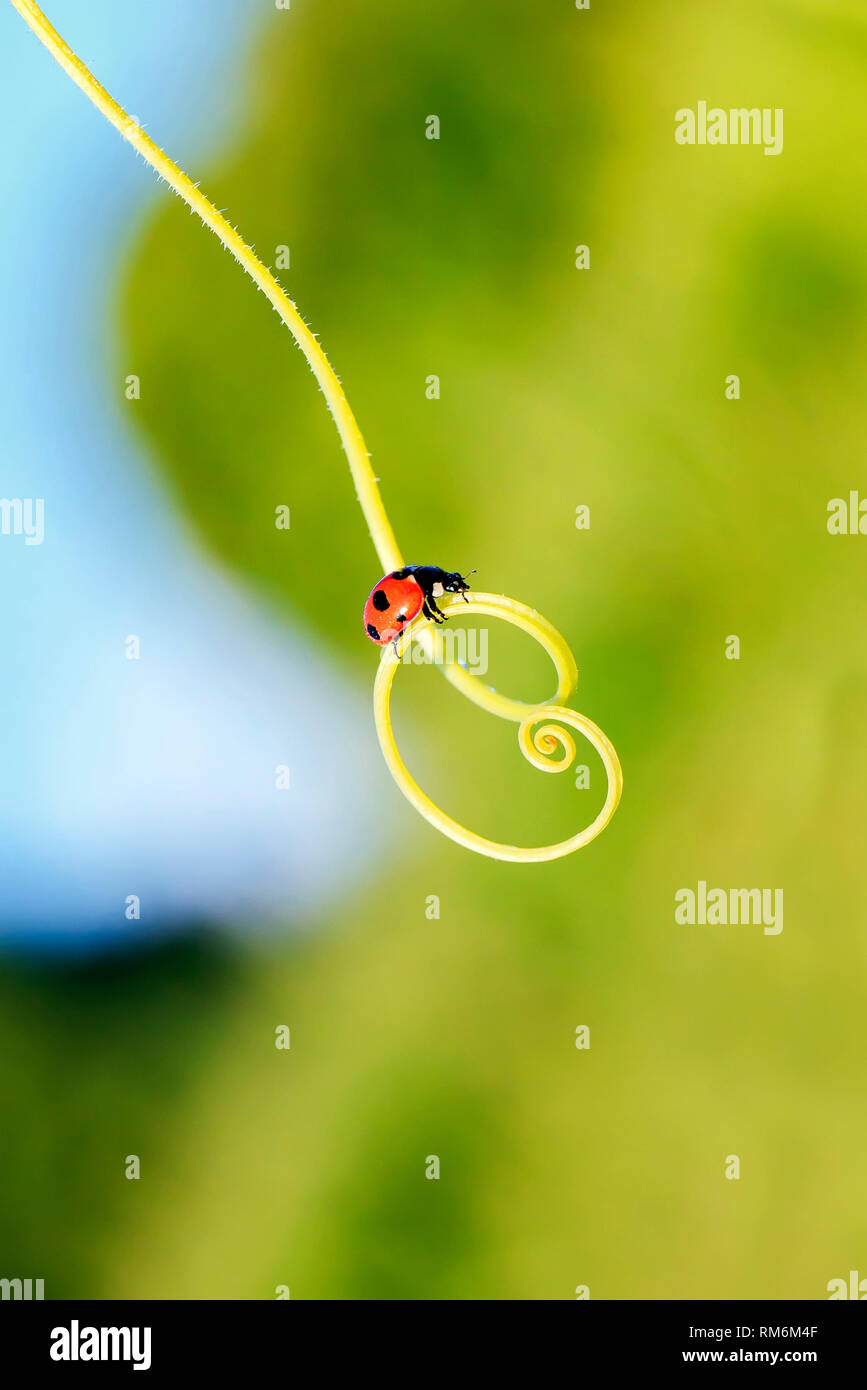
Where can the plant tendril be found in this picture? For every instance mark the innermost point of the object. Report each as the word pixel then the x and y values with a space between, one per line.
pixel 542 729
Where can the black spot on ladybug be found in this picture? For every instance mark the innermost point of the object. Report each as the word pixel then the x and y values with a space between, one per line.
pixel 401 574
pixel 374 632
pixel 380 600
pixel 401 617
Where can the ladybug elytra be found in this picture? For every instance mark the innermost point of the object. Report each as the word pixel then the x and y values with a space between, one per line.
pixel 402 595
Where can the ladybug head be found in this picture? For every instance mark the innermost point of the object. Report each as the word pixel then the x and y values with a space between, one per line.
pixel 456 583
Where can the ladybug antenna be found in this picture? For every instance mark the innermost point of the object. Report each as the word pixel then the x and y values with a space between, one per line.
pixel 466 576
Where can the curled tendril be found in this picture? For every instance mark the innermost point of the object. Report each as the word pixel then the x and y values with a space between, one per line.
pixel 543 730
pixel 539 745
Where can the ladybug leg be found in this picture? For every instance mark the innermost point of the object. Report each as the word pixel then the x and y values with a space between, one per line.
pixel 431 611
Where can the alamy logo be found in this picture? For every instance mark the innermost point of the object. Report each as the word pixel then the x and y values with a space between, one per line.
pixel 76 1343
pixel 22 1288
pixel 847 518
pixel 23 516
pixel 856 1288
pixel 721 907
pixel 459 646
pixel 738 126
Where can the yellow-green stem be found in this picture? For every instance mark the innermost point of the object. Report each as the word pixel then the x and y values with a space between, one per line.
pixel 347 425
pixel 537 741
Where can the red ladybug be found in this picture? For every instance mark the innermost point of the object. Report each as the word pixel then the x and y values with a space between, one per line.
pixel 403 594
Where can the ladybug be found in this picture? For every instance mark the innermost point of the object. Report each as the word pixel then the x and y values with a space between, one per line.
pixel 403 594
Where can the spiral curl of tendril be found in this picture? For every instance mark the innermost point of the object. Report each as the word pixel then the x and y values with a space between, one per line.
pixel 543 730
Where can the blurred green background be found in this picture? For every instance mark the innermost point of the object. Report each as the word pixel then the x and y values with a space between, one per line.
pixel 559 387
